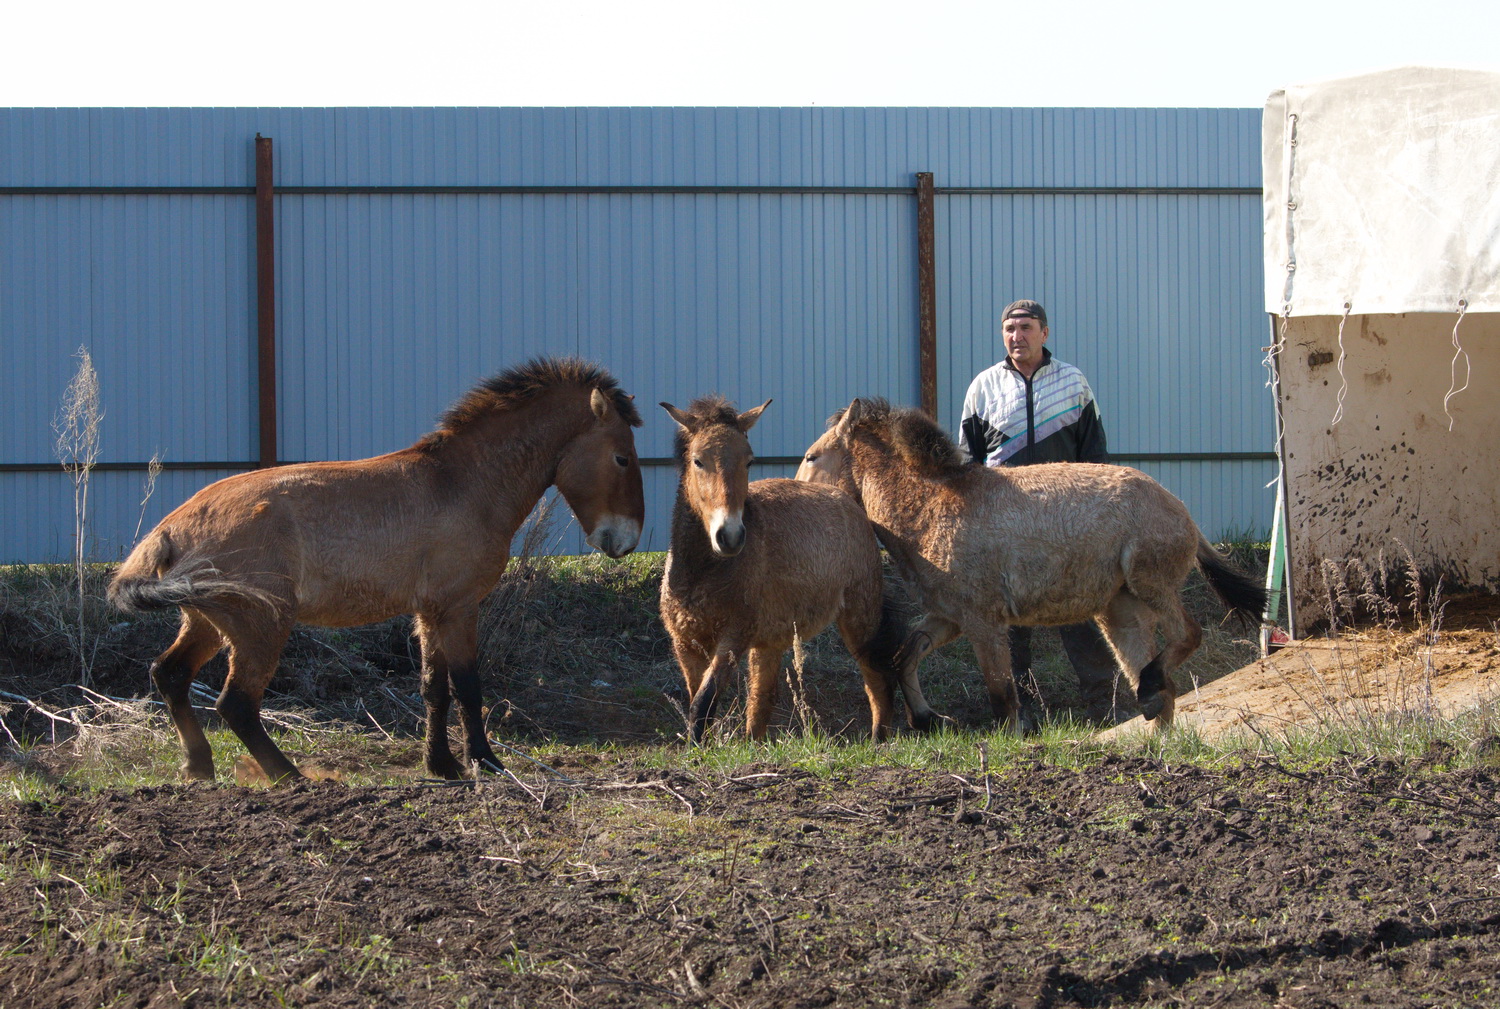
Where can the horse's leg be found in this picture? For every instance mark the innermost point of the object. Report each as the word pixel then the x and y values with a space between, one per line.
pixel 933 632
pixel 254 649
pixel 437 756
pixel 461 652
pixel 705 699
pixel 173 672
pixel 1183 635
pixel 450 648
pixel 992 650
pixel 765 670
pixel 693 661
pixel 857 628
pixel 1129 625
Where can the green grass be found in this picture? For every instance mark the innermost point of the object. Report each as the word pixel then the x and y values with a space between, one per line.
pixel 147 754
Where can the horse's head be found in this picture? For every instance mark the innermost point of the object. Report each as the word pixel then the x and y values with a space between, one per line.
pixel 600 478
pixel 827 460
pixel 713 461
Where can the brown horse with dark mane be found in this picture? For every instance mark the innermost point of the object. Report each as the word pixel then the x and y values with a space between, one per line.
pixel 1049 544
pixel 754 565
pixel 426 531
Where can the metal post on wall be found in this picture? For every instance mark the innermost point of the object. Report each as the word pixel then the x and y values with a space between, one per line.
pixel 265 301
pixel 926 294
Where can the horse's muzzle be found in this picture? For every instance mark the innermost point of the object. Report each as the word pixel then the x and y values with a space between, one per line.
pixel 729 539
pixel 615 537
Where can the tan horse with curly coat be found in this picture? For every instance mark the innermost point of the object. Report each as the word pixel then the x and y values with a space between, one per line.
pixel 753 565
pixel 1049 544
pixel 425 530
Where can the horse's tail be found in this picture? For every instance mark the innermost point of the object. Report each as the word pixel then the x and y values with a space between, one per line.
pixel 1243 595
pixel 883 650
pixel 158 576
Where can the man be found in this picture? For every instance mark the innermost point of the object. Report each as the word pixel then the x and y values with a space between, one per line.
pixel 1033 408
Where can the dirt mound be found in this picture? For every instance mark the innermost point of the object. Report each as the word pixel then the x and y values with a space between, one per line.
pixel 1355 675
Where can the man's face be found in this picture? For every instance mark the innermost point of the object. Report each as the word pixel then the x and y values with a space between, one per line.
pixel 1024 337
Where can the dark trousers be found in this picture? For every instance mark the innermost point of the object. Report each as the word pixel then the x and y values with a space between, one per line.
pixel 1093 662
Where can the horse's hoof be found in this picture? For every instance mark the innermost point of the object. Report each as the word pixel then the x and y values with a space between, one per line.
pixel 1153 705
pixel 445 769
pixel 922 723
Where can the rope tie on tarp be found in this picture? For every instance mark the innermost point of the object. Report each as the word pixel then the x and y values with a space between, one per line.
pixel 1458 351
pixel 1338 413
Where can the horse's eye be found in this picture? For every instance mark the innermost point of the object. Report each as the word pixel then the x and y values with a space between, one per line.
pixel 810 457
pixel 698 463
pixel 621 461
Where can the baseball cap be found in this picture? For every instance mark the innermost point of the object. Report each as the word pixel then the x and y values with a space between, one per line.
pixel 1025 307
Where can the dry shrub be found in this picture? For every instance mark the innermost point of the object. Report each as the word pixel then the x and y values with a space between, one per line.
pixel 78 428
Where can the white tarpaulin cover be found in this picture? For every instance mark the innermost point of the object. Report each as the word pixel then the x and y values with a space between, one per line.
pixel 1383 191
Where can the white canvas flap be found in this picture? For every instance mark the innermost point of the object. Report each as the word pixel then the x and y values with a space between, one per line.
pixel 1382 192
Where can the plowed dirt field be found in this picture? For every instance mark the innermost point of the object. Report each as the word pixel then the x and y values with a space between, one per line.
pixel 1129 883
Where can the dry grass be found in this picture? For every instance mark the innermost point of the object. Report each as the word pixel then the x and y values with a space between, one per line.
pixel 78 426
pixel 572 649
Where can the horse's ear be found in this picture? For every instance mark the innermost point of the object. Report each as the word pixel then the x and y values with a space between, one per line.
pixel 851 416
pixel 684 420
pixel 746 420
pixel 599 403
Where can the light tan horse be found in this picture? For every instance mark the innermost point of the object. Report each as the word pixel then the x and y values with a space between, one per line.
pixel 1050 544
pixel 425 531
pixel 753 565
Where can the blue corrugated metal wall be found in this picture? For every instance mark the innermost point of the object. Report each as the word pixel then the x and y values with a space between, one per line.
pixel 391 305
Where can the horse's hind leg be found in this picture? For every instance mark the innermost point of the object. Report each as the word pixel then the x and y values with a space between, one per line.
pixel 932 633
pixel 873 637
pixel 1129 626
pixel 1183 635
pixel 1129 623
pixel 173 672
pixel 765 668
pixel 992 650
pixel 253 654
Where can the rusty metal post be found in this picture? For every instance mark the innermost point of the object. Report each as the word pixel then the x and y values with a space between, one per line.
pixel 926 294
pixel 265 300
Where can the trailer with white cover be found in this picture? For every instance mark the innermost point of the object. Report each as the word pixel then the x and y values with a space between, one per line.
pixel 1382 271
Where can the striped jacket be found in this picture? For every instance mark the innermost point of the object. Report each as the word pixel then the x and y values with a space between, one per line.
pixel 1011 420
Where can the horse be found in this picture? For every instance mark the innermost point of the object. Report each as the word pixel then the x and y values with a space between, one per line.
pixel 425 530
pixel 753 565
pixel 1055 543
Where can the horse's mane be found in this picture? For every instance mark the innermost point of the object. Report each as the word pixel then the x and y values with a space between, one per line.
pixel 705 410
pixel 916 438
pixel 515 386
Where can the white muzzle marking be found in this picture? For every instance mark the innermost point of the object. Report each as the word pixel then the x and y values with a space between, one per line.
pixel 726 531
pixel 615 535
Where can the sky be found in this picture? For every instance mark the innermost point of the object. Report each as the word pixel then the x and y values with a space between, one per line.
pixel 702 53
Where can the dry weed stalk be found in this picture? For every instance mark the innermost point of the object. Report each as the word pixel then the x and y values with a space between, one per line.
pixel 1372 686
pixel 77 425
pixel 153 470
pixel 796 682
